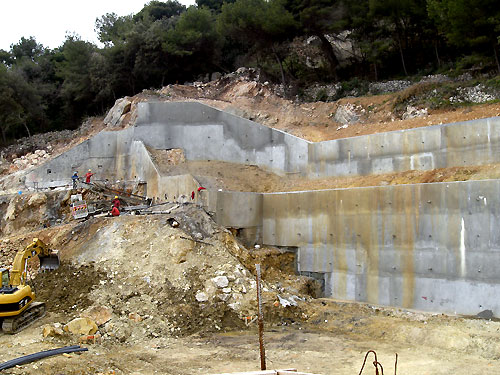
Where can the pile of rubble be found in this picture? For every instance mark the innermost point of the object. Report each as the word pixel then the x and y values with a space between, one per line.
pixel 414 112
pixel 475 94
pixel 31 159
pixel 152 280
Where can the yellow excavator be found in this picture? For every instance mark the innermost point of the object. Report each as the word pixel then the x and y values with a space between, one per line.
pixel 18 308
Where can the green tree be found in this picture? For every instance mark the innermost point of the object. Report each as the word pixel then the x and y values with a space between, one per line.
pixel 194 41
pixel 20 104
pixel 468 23
pixel 74 71
pixel 320 18
pixel 214 5
pixel 260 25
pixel 112 29
pixel 404 20
pixel 157 10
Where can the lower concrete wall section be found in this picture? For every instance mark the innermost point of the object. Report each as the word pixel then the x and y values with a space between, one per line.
pixel 234 209
pixel 432 247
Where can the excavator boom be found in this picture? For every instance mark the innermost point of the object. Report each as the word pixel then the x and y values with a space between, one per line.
pixel 17 306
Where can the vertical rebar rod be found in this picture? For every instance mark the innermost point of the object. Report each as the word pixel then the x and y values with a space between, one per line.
pixel 261 321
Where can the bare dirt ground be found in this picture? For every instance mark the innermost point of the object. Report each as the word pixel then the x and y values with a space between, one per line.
pixel 238 177
pixel 425 344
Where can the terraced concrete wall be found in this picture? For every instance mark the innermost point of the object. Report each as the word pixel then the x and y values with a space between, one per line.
pixel 432 247
pixel 459 144
pixel 205 133
pixel 209 134
pixel 107 154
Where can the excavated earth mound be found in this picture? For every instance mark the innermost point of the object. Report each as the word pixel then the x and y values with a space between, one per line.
pixel 166 275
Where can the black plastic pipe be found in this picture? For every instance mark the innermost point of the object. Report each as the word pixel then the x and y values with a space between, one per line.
pixel 36 356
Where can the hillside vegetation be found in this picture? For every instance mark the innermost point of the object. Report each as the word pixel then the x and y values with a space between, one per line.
pixel 297 44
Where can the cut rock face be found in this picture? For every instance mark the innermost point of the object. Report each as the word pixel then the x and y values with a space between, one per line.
pixel 114 116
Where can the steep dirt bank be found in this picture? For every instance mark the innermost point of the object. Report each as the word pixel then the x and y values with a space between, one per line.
pixel 238 177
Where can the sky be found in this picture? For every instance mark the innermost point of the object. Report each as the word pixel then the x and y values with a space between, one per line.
pixel 49 20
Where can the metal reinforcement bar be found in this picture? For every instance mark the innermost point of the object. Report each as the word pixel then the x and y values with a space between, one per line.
pixel 260 320
pixel 36 356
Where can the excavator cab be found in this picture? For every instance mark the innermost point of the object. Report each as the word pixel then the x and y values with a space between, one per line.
pixel 5 278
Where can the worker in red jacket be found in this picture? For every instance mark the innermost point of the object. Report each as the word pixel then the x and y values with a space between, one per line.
pixel 115 211
pixel 116 202
pixel 88 175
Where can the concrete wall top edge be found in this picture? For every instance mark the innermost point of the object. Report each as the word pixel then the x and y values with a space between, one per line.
pixel 388 186
pixel 419 129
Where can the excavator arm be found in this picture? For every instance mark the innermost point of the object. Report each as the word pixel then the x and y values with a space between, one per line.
pixel 49 260
pixel 18 308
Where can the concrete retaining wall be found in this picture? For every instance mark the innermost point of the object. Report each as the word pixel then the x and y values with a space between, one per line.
pixel 226 137
pixel 459 144
pixel 206 133
pixel 432 247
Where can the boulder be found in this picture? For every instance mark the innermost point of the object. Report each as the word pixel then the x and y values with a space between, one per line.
pixel 37 199
pixel 346 114
pixel 99 314
pixel 53 330
pixel 121 107
pixel 201 296
pixel 221 281
pixel 81 326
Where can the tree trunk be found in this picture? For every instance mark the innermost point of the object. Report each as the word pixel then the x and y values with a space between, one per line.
pixel 281 67
pixel 402 56
pixel 27 129
pixel 327 48
pixel 375 71
pixel 437 54
pixel 495 50
pixel 24 124
pixel 3 135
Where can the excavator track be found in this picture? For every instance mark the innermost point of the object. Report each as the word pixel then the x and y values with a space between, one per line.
pixel 29 316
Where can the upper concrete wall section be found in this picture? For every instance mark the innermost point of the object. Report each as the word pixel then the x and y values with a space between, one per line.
pixel 466 143
pixel 206 133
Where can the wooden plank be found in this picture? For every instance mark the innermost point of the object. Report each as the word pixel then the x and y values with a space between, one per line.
pixel 285 372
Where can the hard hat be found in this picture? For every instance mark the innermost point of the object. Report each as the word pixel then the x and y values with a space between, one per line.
pixel 116 196
pixel 90 170
pixel 76 172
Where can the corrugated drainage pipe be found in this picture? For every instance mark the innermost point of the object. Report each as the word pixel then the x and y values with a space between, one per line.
pixel 36 356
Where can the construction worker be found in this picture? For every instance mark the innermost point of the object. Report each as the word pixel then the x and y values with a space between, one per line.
pixel 88 175
pixel 116 202
pixel 115 211
pixel 75 179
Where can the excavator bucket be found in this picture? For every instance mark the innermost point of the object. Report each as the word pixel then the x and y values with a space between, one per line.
pixel 49 262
